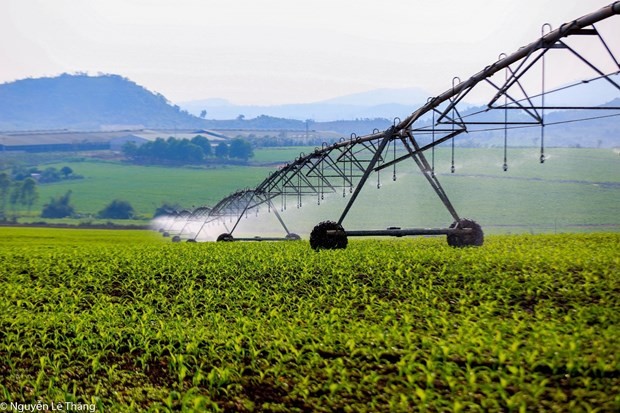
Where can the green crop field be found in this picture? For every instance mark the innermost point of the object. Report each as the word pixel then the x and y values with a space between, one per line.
pixel 122 321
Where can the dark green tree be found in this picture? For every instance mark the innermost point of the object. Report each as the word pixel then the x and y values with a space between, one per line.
pixel 28 193
pixel 14 196
pixel 221 150
pixel 59 207
pixel 117 209
pixel 130 149
pixel 169 150
pixel 66 171
pixel 240 149
pixel 158 148
pixel 204 144
pixel 183 151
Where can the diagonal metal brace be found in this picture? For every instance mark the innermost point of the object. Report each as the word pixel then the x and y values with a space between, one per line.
pixel 387 136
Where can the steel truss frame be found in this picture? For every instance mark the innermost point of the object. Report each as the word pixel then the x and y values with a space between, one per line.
pixel 346 166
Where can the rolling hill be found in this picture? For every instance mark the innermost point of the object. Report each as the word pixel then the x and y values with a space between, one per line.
pixel 81 102
pixel 372 104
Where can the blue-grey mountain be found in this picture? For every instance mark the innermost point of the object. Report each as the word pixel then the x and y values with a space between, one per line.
pixel 81 102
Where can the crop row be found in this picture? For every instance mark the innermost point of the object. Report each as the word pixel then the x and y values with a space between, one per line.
pixel 525 322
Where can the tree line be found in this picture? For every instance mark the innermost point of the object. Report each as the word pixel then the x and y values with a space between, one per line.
pixel 189 151
pixel 43 176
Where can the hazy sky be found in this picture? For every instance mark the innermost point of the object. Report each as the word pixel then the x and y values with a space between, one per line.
pixel 272 51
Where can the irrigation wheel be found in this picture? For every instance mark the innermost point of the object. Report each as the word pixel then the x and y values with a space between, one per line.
pixel 291 236
pixel 328 235
pixel 475 238
pixel 176 238
pixel 191 240
pixel 225 237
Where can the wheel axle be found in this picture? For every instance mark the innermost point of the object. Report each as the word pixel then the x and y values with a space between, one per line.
pixel 331 235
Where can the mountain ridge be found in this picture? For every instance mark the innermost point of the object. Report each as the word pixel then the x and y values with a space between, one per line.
pixel 83 102
pixel 377 103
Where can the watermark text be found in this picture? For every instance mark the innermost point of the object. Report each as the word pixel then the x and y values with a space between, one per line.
pixel 40 406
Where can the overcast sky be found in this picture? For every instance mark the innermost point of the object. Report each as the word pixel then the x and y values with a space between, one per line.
pixel 273 51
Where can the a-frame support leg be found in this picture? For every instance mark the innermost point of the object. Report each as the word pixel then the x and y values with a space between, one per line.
pixel 275 210
pixel 427 171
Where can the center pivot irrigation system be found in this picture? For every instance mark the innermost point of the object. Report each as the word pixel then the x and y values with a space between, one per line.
pixel 515 88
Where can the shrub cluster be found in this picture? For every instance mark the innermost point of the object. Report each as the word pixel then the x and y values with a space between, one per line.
pixel 192 151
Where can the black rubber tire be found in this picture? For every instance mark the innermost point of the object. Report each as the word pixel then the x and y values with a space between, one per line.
pixel 225 237
pixel 176 238
pixel 191 240
pixel 473 239
pixel 166 234
pixel 321 239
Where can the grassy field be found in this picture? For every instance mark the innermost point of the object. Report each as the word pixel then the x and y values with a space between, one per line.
pixel 121 321
pixel 147 187
pixel 575 190
pixel 280 155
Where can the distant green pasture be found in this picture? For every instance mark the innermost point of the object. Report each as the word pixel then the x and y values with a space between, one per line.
pixel 147 187
pixel 574 190
pixel 280 155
